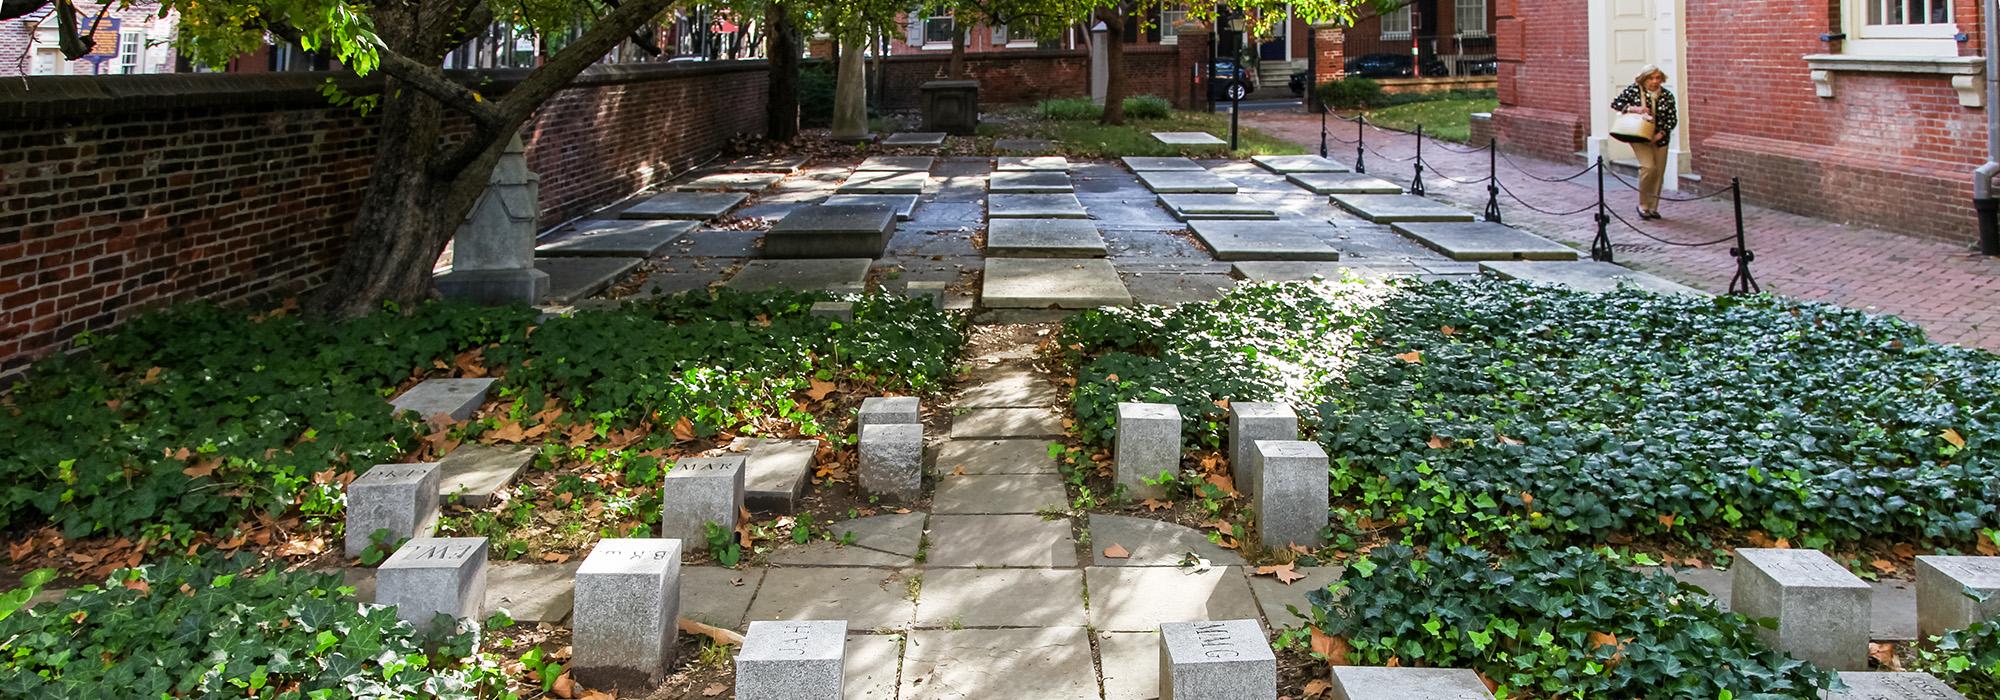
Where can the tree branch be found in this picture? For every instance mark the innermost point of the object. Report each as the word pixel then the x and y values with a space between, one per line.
pixel 427 79
pixel 13 9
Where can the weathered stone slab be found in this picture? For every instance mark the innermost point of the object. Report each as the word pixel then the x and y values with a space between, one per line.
pixel 1285 270
pixel 999 493
pixel 1150 542
pixel 1291 492
pixel 766 164
pixel 1278 599
pixel 1193 207
pixel 978 457
pixel 642 241
pixel 1822 610
pixel 1141 598
pixel 1390 208
pixel 455 398
pixel 870 599
pixel 832 231
pixel 731 182
pixel 1000 540
pixel 1006 423
pixel 884 182
pixel 1049 663
pixel 1407 683
pixel 700 491
pixel 532 592
pixel 901 164
pixel 1264 240
pixel 1043 238
pixel 1034 206
pixel 1216 659
pixel 905 205
pixel 1185 182
pixel 1001 598
pixel 1892 686
pixel 1484 240
pixel 1042 283
pixel 1029 182
pixel 1143 163
pixel 932 291
pixel 572 278
pixel 1054 164
pixel 1344 183
pixel 475 474
pixel 1188 138
pixel 1149 443
pixel 429 576
pixel 890 409
pixel 841 311
pixel 793 660
pixel 400 498
pixel 1585 275
pixel 684 205
pixel 627 601
pixel 1250 421
pixel 1022 145
pixel 892 460
pixel 718 596
pixel 1006 387
pixel 801 275
pixel 1943 603
pixel 1287 165
pixel 914 138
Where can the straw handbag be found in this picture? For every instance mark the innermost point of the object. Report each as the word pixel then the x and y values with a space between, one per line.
pixel 1633 128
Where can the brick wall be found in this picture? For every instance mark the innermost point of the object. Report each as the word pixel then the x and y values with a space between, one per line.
pixel 1544 68
pixel 1027 77
pixel 122 193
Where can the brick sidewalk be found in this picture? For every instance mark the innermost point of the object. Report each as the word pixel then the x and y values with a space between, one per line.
pixel 1953 293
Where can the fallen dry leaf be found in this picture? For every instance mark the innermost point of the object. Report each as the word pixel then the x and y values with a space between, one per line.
pixel 1285 573
pixel 1116 551
pixel 1951 435
pixel 1511 441
pixel 1154 504
pixel 1112 378
pixel 202 468
pixel 1317 687
pixel 1448 330
pixel 563 687
pixel 713 690
pixel 960 471
pixel 1883 565
pixel 1333 649
pixel 1415 357
pixel 820 388
pixel 683 429
pixel 1222 481
pixel 1438 443
pixel 1884 653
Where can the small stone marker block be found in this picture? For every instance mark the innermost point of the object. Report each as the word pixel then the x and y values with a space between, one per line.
pixel 456 398
pixel 891 410
pixel 698 492
pixel 1290 491
pixel 400 498
pixel 1188 138
pixel 1822 610
pixel 1407 683
pixel 1149 442
pixel 1250 421
pixel 1216 660
pixel 792 660
pixel 837 310
pixel 1942 602
pixel 432 575
pixel 1892 686
pixel 892 460
pixel 934 291
pixel 628 595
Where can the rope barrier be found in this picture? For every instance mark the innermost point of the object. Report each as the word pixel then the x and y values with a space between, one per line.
pixel 1440 143
pixel 1524 171
pixel 1531 207
pixel 1642 232
pixel 1434 171
pixel 1635 187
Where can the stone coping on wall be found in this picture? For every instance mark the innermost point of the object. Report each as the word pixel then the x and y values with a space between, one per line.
pixel 1966 72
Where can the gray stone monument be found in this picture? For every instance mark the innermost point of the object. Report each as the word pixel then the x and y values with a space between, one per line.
pixel 455 398
pixel 891 410
pixel 1216 660
pixel 892 460
pixel 432 575
pixel 1407 683
pixel 400 498
pixel 837 310
pixel 932 291
pixel 792 660
pixel 627 601
pixel 698 492
pixel 1892 686
pixel 1291 492
pixel 493 253
pixel 1149 442
pixel 1250 421
pixel 1943 603
pixel 1822 610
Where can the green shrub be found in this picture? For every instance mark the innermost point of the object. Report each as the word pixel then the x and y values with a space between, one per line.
pixel 1069 109
pixel 1351 93
pixel 816 84
pixel 1403 98
pixel 1968 659
pixel 1147 107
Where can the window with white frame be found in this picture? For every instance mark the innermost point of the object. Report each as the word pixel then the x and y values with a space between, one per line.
pixel 1470 16
pixel 1170 25
pixel 937 30
pixel 1396 24
pixel 1013 35
pixel 131 43
pixel 1900 27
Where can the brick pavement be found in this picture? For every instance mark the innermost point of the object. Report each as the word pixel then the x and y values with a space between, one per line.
pixel 1952 292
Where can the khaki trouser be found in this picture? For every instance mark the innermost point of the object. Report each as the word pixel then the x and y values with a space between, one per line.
pixel 1652 167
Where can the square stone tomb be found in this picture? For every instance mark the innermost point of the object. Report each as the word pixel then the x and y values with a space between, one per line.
pixel 884 182
pixel 1034 206
pixel 1029 182
pixel 1390 208
pixel 1194 207
pixel 1188 138
pixel 642 240
pixel 1143 163
pixel 1483 240
pixel 905 205
pixel 900 164
pixel 731 182
pixel 1043 238
pixel 684 205
pixel 1185 182
pixel 1052 164
pixel 1343 183
pixel 1286 165
pixel 1042 283
pixel 1265 240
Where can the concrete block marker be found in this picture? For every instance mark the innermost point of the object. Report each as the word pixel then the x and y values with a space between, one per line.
pixel 1391 208
pixel 892 460
pixel 731 182
pixel 1034 206
pixel 1143 163
pixel 1378 683
pixel 884 182
pixel 1192 207
pixel 1149 442
pixel 1043 238
pixel 1029 182
pixel 901 164
pixel 775 473
pixel 792 660
pixel 841 311
pixel 627 602
pixel 1265 240
pixel 432 575
pixel 801 275
pixel 890 410
pixel 927 290
pixel 475 474
pixel 1287 165
pixel 1250 421
pixel 400 498
pixel 1188 138
pixel 915 138
pixel 1822 610
pixel 1041 283
pixel 455 398
pixel 698 492
pixel 1585 275
pixel 1483 240
pixel 905 205
pixel 684 205
pixel 1216 660
pixel 1943 602
pixel 1343 183
pixel 1892 686
pixel 1291 491
pixel 1185 182
pixel 1052 164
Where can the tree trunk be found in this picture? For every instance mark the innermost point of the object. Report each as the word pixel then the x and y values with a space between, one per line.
pixel 782 103
pixel 850 95
pixel 1114 67
pixel 957 65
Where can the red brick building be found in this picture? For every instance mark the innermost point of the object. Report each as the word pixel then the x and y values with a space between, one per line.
pixel 126 41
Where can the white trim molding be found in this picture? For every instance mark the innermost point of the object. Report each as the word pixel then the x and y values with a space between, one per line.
pixel 1966 71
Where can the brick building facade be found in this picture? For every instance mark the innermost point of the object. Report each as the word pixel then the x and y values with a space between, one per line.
pixel 127 40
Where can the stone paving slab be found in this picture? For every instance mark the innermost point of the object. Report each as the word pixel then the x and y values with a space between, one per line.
pixel 571 279
pixel 1188 138
pixel 1484 240
pixel 1285 271
pixel 775 472
pixel 1029 182
pixel 475 474
pixel 1005 387
pixel 1273 595
pixel 1034 206
pixel 1175 288
pixel 731 182
pixel 1139 599
pixel 1344 183
pixel 1152 542
pixel 1585 275
pixel 869 668
pixel 684 205
pixel 914 138
pixel 1287 165
pixel 832 231
pixel 1023 145
pixel 898 533
pixel 998 493
pixel 1049 663
pixel 457 399
pixel 802 275
pixel 1001 598
pixel 1892 602
pixel 1193 207
pixel 1144 163
pixel 1042 283
pixel 766 164
pixel 900 164
pixel 988 541
pixel 1390 208
pixel 532 592
pixel 1264 240
pixel 635 241
pixel 1006 423
pixel 1131 665
pixel 905 205
pixel 884 182
pixel 868 599
pixel 1043 238
pixel 1054 164
pixel 709 243
pixel 979 457
pixel 1185 182
pixel 821 553
pixel 718 596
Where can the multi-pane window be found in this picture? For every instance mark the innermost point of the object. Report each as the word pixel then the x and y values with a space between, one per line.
pixel 1900 13
pixel 1470 17
pixel 1396 24
pixel 1170 29
pixel 131 44
pixel 937 29
pixel 1013 35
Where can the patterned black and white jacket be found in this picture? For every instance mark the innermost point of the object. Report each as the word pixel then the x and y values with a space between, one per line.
pixel 1665 118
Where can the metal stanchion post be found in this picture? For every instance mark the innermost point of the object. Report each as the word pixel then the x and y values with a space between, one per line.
pixel 1493 180
pixel 1235 107
pixel 1322 130
pixel 1417 180
pixel 1600 247
pixel 1742 283
pixel 1361 143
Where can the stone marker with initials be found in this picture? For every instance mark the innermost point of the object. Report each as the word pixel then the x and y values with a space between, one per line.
pixel 1407 683
pixel 1291 491
pixel 1149 442
pixel 1942 602
pixel 1250 421
pixel 792 660
pixel 698 492
pixel 1822 610
pixel 432 575
pixel 891 409
pixel 627 601
pixel 1892 686
pixel 1216 660
pixel 892 460
pixel 400 498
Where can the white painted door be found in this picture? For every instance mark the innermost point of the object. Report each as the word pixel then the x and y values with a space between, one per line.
pixel 1633 46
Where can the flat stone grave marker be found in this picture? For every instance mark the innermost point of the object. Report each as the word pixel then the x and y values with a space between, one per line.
pixel 1149 442
pixel 1043 238
pixel 1284 270
pixel 801 275
pixel 775 473
pixel 1185 182
pixel 1343 183
pixel 914 138
pixel 832 231
pixel 1264 240
pixel 905 205
pixel 1584 275
pixel 1188 138
pixel 891 410
pixel 1043 283
pixel 1822 610
pixel 884 182
pixel 766 164
pixel 698 492
pixel 1029 182
pixel 456 398
pixel 400 498
pixel 731 182
pixel 1034 206
pixel 1022 145
pixel 1290 492
pixel 900 164
pixel 640 241
pixel 1892 686
pixel 475 474
pixel 571 278
pixel 1250 421
pixel 1483 240
pixel 792 660
pixel 1286 165
pixel 432 575
pixel 932 291
pixel 684 205
pixel 1195 207
pixel 1050 164
pixel 1216 659
pixel 1942 602
pixel 892 460
pixel 627 605
pixel 1407 683
pixel 1390 208
pixel 837 310
pixel 1144 163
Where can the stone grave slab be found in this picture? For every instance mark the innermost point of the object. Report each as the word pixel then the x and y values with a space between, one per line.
pixel 718 596
pixel 1005 387
pixel 1006 423
pixel 1195 207
pixel 684 205
pixel 1188 138
pixel 914 138
pixel 1176 288
pixel 1278 599
pixel 1942 582
pixel 1291 496
pixel 1893 602
pixel 905 205
pixel 1185 182
pixel 1043 238
pixel 890 409
pixel 832 231
pixel 1028 182
pixel 840 311
pixel 998 494
pixel 1152 542
pixel 1343 183
pixel 884 182
pixel 801 275
pixel 1217 659
pixel 1585 275
pixel 1284 270
pixel 731 182
pixel 1823 611
pixel 766 164
pixel 532 592
pixel 1149 443
pixel 1022 145
pixel 872 663
pixel 1287 165
pixel 1131 665
pixel 571 279
pixel 1483 240
pixel 900 164
pixel 891 460
pixel 1034 206
pixel 1250 421
pixel 643 241
pixel 710 243
pixel 1141 598
pixel 456 398
pixel 1407 683
pixel 1049 663
pixel 1051 164
pixel 1001 598
pixel 699 492
pixel 432 575
pixel 627 605
pixel 400 498
pixel 1863 685
pixel 979 457
pixel 1391 208
pixel 775 473
pixel 896 533
pixel 1144 163
pixel 1265 240
pixel 793 660
pixel 1042 283
pixel 475 474
pixel 987 541
pixel 869 599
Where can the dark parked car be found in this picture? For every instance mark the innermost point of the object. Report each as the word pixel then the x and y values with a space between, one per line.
pixel 1232 81
pixel 1297 83
pixel 1391 65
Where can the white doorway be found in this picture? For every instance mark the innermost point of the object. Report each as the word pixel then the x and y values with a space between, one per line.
pixel 1625 37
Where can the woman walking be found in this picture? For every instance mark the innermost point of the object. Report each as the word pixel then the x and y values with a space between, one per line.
pixel 1648 96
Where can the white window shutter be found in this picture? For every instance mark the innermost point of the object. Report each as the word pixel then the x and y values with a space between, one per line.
pixel 916 27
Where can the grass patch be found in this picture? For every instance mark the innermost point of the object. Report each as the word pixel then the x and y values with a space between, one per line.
pixel 1088 139
pixel 1444 119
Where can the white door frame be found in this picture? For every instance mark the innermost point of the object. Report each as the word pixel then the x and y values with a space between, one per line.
pixel 1670 50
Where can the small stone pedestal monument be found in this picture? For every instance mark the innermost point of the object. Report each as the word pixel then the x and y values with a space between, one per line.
pixel 892 460
pixel 1250 421
pixel 698 492
pixel 1822 610
pixel 891 410
pixel 1216 660
pixel 493 254
pixel 627 598
pixel 951 106
pixel 1405 683
pixel 1149 442
pixel 432 575
pixel 1291 492
pixel 1942 602
pixel 797 660
pixel 400 498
